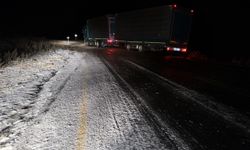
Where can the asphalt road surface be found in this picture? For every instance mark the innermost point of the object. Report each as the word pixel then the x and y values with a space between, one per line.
pixel 118 99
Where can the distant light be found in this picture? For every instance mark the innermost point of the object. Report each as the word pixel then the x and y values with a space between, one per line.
pixel 168 48
pixel 68 37
pixel 76 35
pixel 192 11
pixel 174 6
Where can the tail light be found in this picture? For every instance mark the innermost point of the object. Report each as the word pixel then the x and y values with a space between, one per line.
pixel 110 41
pixel 184 50
pixel 169 48
pixel 174 6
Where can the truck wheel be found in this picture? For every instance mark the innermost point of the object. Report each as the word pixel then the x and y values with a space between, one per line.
pixel 98 44
pixel 140 48
pixel 88 43
pixel 128 47
pixel 102 44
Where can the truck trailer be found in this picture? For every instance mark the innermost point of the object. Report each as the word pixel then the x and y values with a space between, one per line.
pixel 160 28
pixel 100 31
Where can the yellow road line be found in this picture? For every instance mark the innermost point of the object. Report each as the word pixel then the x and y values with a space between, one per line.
pixel 82 129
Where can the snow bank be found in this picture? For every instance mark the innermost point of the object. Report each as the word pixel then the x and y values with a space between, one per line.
pixel 24 92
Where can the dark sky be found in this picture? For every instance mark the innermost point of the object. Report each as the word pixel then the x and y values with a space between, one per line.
pixel 59 18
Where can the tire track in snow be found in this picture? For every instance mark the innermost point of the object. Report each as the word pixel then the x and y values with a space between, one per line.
pixel 42 130
pixel 172 138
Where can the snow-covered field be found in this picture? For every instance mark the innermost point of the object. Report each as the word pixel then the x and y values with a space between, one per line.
pixel 26 90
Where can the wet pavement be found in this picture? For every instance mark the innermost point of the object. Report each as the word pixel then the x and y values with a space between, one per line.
pixel 209 120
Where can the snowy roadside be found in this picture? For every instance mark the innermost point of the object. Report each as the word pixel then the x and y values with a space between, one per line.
pixel 27 88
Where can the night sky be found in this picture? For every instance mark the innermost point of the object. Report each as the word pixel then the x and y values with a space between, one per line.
pixel 59 18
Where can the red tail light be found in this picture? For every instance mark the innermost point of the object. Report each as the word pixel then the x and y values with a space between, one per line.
pixel 169 49
pixel 184 50
pixel 110 40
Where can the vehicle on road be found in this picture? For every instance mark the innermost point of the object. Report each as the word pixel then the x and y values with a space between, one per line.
pixel 100 31
pixel 160 28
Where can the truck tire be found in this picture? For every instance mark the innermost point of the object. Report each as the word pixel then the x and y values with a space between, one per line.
pixel 102 44
pixel 140 48
pixel 88 44
pixel 98 44
pixel 128 47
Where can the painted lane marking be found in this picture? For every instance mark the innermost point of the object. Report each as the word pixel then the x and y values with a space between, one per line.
pixel 82 129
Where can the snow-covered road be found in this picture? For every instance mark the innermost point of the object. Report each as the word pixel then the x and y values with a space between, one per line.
pixel 72 100
pixel 102 99
pixel 116 119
